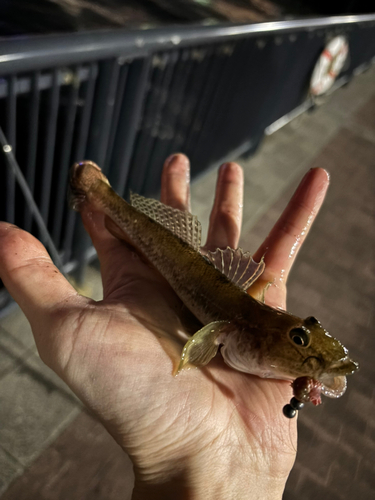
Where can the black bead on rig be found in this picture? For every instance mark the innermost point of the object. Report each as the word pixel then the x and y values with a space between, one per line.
pixel 290 410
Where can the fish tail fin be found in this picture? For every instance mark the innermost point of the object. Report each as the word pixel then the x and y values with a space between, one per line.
pixel 202 346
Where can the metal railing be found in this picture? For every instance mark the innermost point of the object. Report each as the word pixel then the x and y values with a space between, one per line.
pixel 128 99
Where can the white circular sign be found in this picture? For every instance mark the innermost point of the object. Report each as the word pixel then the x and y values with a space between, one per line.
pixel 329 65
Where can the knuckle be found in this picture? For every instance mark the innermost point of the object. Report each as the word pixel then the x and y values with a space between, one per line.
pixel 228 215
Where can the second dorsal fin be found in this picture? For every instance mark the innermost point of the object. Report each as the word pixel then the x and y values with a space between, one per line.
pixel 183 224
pixel 238 266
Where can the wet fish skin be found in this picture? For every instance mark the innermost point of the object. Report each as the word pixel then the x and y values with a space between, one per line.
pixel 205 291
pixel 255 338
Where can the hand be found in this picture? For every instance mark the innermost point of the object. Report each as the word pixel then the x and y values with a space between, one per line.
pixel 211 433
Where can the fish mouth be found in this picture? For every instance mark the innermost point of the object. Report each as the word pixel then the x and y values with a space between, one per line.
pixel 334 379
pixel 344 366
pixel 333 387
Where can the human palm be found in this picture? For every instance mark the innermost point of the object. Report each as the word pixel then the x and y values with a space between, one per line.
pixel 187 434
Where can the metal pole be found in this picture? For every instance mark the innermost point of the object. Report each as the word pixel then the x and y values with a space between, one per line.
pixel 16 171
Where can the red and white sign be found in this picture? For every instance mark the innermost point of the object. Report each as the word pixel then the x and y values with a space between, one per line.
pixel 329 65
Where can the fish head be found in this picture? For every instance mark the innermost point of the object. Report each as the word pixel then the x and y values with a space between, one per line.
pixel 306 349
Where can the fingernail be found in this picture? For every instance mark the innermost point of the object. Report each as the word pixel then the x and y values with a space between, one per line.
pixel 8 225
pixel 5 227
pixel 169 159
pixel 174 156
pixel 231 170
pixel 306 180
pixel 224 167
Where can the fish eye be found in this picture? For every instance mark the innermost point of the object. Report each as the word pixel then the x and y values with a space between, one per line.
pixel 299 336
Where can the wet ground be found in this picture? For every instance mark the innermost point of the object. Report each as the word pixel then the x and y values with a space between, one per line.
pixel 51 448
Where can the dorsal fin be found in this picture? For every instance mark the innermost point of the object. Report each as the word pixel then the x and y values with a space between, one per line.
pixel 238 266
pixel 183 224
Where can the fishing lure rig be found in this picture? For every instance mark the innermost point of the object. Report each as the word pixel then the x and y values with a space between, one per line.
pixel 305 389
pixel 290 410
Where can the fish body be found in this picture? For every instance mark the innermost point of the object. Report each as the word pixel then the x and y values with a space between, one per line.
pixel 254 337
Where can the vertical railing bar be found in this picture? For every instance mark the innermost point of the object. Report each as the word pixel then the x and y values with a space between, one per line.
pixel 171 109
pixel 160 101
pixel 168 89
pixel 183 98
pixel 12 111
pixel 143 130
pixel 129 122
pixel 242 125
pixel 102 114
pixel 86 115
pixel 107 98
pixel 153 109
pixel 202 98
pixel 214 117
pixel 106 125
pixel 3 88
pixel 11 117
pixel 32 144
pixel 200 69
pixel 79 154
pixel 211 89
pixel 157 117
pixel 124 71
pixel 17 175
pixel 53 106
pixel 65 157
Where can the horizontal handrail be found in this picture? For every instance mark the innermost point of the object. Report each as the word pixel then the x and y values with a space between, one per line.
pixel 26 53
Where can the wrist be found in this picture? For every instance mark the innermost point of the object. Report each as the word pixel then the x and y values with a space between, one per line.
pixel 224 473
pixel 226 488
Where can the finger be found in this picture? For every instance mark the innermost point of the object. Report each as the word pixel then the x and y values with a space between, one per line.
pixel 287 236
pixel 30 276
pixel 226 216
pixel 175 182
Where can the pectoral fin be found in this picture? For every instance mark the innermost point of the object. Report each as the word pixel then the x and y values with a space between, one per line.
pixel 203 345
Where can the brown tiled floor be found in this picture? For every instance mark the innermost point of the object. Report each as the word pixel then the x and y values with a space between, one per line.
pixel 333 279
pixel 336 458
pixel 83 463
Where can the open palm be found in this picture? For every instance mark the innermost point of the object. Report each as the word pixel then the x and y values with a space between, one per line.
pixel 208 433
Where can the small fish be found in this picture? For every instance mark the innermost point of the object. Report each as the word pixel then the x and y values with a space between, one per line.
pixel 254 338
